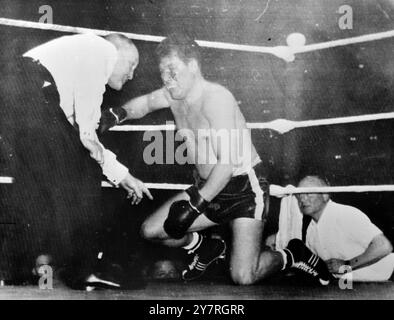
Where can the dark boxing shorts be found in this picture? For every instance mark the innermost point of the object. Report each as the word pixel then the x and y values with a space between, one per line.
pixel 245 196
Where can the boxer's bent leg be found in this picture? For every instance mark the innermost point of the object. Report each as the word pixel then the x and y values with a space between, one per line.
pixel 152 228
pixel 248 262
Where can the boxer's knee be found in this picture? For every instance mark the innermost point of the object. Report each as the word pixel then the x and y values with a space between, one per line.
pixel 248 274
pixel 245 273
pixel 243 276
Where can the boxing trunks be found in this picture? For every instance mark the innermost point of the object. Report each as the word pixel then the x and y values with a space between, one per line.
pixel 244 196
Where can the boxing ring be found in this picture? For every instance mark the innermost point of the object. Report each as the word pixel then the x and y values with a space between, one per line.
pixel 288 53
pixel 295 46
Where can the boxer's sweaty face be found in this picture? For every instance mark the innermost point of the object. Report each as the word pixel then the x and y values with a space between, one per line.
pixel 177 76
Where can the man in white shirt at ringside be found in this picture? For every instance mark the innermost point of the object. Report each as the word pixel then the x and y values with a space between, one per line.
pixel 344 237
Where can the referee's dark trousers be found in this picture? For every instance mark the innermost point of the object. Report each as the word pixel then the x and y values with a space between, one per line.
pixel 54 206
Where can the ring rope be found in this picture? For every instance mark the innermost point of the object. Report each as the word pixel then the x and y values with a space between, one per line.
pixel 275 190
pixel 284 52
pixel 160 186
pixel 279 191
pixel 158 127
pixel 279 125
pixel 346 41
pixel 6 180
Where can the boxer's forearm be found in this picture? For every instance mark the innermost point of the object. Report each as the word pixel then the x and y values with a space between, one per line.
pixel 217 180
pixel 136 108
pixel 139 107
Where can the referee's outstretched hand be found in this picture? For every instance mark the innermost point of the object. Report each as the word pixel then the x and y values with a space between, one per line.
pixel 135 189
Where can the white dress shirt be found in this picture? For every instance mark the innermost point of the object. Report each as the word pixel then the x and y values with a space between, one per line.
pixel 81 66
pixel 344 232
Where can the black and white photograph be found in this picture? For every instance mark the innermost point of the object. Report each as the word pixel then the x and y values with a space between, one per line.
pixel 196 154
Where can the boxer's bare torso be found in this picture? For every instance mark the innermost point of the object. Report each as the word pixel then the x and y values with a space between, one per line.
pixel 194 124
pixel 207 115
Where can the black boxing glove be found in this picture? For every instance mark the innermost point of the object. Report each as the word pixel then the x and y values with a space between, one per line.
pixel 183 213
pixel 111 117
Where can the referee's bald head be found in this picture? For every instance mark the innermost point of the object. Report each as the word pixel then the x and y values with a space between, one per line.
pixel 126 62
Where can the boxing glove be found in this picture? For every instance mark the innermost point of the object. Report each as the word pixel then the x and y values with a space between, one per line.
pixel 111 117
pixel 183 213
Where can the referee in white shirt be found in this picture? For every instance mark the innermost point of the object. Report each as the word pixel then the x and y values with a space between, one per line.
pixel 51 108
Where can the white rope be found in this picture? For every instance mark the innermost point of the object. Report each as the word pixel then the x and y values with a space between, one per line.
pixel 279 125
pixel 283 125
pixel 281 52
pixel 160 127
pixel 279 191
pixel 275 190
pixel 6 180
pixel 345 42
pixel 161 186
pixel 70 29
pixel 284 52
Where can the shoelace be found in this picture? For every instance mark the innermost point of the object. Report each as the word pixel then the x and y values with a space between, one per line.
pixel 306 267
